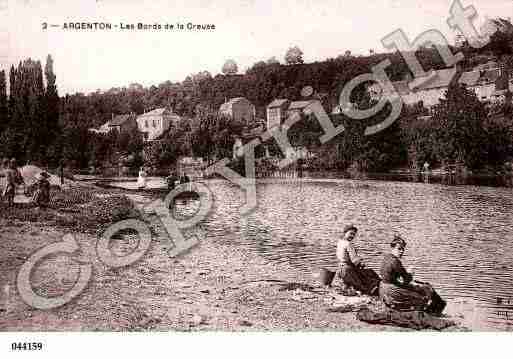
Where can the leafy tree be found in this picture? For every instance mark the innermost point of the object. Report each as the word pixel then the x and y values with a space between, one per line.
pixel 51 128
pixel 230 67
pixel 260 65
pixel 294 56
pixel 272 61
pixel 460 133
pixel 4 105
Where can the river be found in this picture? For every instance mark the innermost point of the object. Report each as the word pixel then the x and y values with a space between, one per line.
pixel 459 237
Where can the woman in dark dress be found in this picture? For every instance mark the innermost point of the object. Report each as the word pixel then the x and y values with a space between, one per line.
pixel 397 289
pixel 41 197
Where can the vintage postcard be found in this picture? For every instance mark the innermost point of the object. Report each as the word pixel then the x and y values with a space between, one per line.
pixel 256 166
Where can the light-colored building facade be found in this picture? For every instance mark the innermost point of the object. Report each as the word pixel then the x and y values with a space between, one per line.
pixel 277 112
pixel 154 124
pixel 239 109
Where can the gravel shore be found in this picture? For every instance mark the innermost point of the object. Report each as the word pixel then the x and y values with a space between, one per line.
pixel 211 287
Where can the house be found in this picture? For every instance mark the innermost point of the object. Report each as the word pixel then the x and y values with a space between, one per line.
pixel 427 91
pixel 430 92
pixel 489 85
pixel 104 129
pixel 154 124
pixel 298 152
pixel 305 107
pixel 483 80
pixel 239 109
pixel 491 26
pixel 459 40
pixel 277 112
pixel 121 123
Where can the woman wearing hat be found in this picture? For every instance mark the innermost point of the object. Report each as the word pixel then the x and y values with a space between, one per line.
pixel 41 196
pixel 352 270
pixel 397 288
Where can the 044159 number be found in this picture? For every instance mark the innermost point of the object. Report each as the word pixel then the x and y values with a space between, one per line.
pixel 26 346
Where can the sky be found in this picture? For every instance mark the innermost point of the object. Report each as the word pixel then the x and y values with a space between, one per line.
pixel 246 31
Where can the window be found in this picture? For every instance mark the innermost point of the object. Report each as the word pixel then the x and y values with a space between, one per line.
pixel 146 123
pixel 154 125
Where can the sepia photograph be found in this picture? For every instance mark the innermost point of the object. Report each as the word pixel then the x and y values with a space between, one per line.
pixel 255 166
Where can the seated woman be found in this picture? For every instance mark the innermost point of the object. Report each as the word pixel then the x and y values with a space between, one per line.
pixel 352 270
pixel 397 289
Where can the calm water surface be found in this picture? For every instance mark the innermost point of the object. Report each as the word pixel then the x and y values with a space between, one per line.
pixel 459 237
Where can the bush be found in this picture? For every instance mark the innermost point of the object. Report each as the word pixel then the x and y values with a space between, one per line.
pixel 77 210
pixel 69 197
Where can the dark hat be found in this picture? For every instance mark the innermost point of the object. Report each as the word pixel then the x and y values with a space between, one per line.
pixel 398 241
pixel 350 227
pixel 44 174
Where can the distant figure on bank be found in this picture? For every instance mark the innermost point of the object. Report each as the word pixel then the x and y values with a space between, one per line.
pixel 141 181
pixel 397 288
pixel 61 171
pixel 171 180
pixel 184 178
pixel 41 197
pixel 13 179
pixel 5 165
pixel 426 167
pixel 352 269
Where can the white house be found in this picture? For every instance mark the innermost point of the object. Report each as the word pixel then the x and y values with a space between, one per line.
pixel 154 124
pixel 240 109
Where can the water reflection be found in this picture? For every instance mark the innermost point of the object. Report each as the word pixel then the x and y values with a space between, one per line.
pixel 459 237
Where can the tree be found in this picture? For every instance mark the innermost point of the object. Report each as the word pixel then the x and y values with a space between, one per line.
pixel 294 56
pixel 51 129
pixel 272 61
pixel 23 137
pixel 460 135
pixel 230 67
pixel 258 66
pixel 201 76
pixel 4 108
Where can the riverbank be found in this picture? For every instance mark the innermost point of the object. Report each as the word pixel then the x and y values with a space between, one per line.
pixel 211 287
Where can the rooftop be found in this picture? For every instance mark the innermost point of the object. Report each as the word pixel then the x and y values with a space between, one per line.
pixel 442 78
pixel 120 119
pixel 156 112
pixel 299 105
pixel 277 103
pixel 228 104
